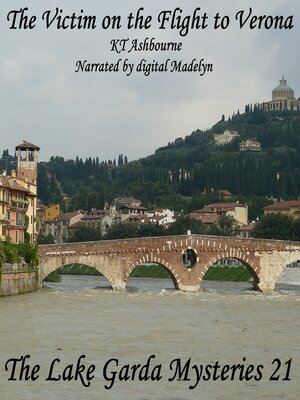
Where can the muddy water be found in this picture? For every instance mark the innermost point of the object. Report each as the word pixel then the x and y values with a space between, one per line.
pixel 224 323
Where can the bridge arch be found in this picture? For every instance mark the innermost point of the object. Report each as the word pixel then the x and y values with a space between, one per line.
pixel 171 271
pixel 290 258
pixel 54 263
pixel 287 260
pixel 245 260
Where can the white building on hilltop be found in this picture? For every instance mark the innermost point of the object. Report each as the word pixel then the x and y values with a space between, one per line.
pixel 283 98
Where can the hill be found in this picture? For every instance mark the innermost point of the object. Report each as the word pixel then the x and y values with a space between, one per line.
pixel 184 168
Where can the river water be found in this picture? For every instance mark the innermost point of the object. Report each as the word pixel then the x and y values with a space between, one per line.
pixel 226 323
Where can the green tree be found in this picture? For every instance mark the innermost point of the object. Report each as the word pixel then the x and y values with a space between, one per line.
pixel 84 234
pixel 296 229
pixel 148 230
pixel 184 224
pixel 275 226
pixel 225 225
pixel 122 231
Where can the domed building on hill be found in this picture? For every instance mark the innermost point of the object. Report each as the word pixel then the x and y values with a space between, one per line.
pixel 283 98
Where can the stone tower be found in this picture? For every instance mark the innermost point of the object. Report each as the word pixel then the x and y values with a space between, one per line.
pixel 27 155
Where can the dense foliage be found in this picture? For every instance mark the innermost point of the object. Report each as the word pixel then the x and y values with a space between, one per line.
pixel 84 234
pixel 278 226
pixel 17 253
pixel 186 167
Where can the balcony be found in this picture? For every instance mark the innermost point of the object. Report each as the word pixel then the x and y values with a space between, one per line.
pixel 21 205
pixel 16 224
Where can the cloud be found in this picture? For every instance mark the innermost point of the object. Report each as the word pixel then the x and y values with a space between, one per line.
pixel 96 114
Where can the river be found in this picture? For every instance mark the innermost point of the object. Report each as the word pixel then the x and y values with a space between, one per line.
pixel 226 323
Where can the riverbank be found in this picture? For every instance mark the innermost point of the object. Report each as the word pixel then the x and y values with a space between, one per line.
pixel 17 279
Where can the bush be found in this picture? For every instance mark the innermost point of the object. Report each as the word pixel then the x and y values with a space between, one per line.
pixel 15 253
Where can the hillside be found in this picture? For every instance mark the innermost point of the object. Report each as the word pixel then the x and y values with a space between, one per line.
pixel 186 167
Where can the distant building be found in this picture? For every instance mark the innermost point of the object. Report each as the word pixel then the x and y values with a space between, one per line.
pixel 18 196
pixel 127 207
pixel 289 207
pixel 224 193
pixel 225 137
pixel 14 203
pixel 210 213
pixel 207 218
pixel 250 145
pixel 101 220
pixel 283 98
pixel 130 211
pixel 244 231
pixel 60 228
pixel 46 213
pixel 161 216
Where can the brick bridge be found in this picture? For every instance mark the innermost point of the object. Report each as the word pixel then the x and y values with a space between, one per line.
pixel 187 258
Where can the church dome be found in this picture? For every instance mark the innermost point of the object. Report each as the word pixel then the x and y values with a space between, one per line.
pixel 282 91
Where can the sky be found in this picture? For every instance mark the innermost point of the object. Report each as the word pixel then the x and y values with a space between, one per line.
pixel 101 114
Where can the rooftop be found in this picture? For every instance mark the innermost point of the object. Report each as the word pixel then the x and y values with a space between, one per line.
pixel 224 205
pixel 283 205
pixel 283 85
pixel 126 200
pixel 68 216
pixel 10 183
pixel 27 145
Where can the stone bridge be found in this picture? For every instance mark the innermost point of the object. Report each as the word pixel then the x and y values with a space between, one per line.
pixel 187 258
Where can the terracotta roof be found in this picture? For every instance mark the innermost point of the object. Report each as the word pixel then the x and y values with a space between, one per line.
pixel 27 145
pixel 96 214
pixel 126 200
pixel 68 216
pixel 283 205
pixel 206 218
pixel 224 205
pixel 12 184
pixel 203 211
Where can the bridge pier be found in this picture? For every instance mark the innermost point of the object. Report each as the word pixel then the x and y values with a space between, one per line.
pixel 189 288
pixel 264 287
pixel 118 285
pixel 271 266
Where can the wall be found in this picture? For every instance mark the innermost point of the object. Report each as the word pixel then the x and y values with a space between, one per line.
pixel 17 279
